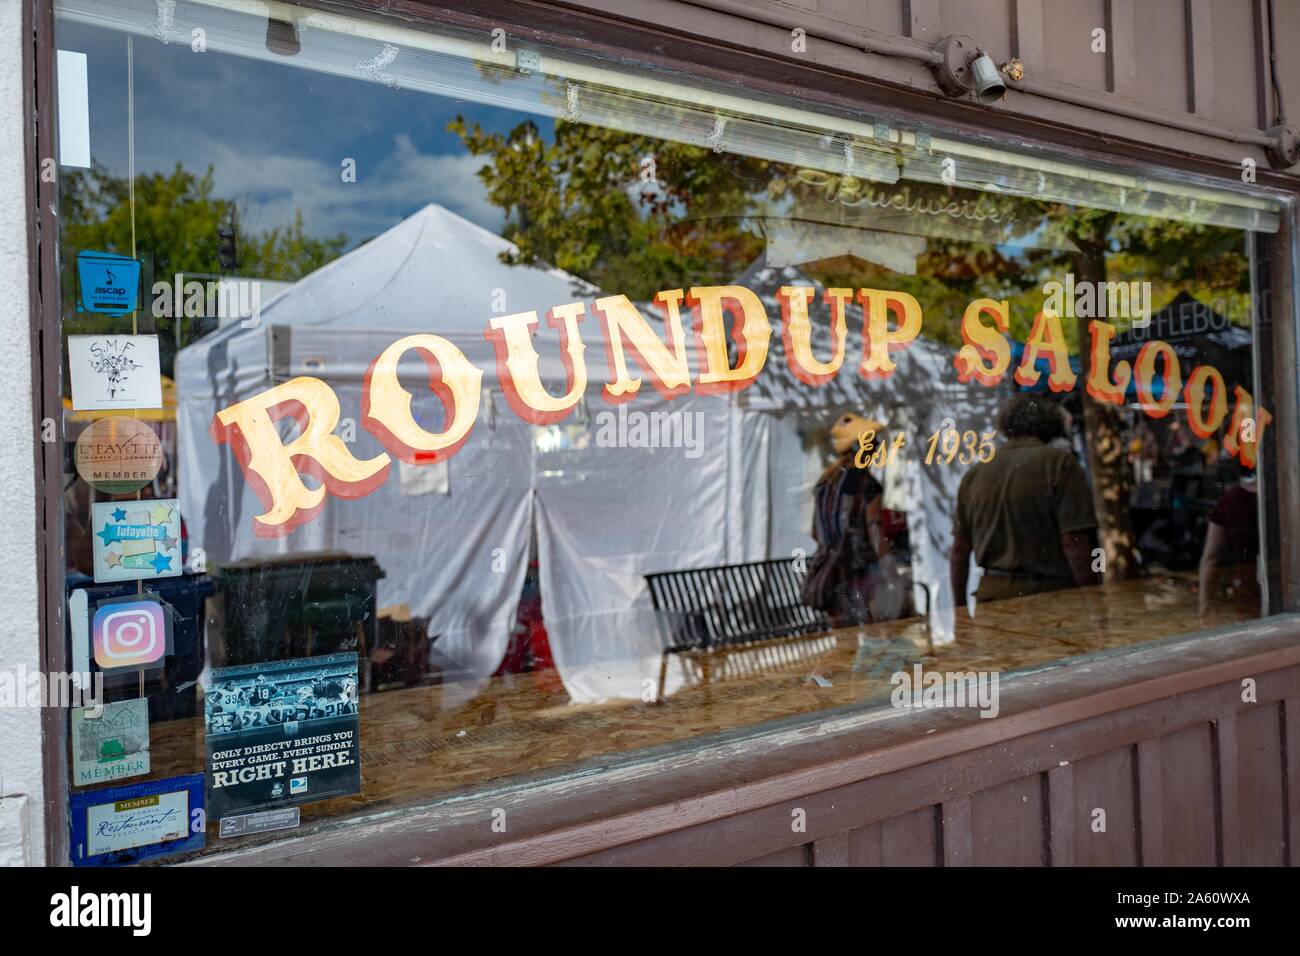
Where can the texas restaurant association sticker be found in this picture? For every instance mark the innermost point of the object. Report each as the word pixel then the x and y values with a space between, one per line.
pixel 118 454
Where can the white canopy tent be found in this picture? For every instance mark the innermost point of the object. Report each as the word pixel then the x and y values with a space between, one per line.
pixel 452 539
pixel 611 515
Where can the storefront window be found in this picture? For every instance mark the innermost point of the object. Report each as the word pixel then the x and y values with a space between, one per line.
pixel 441 410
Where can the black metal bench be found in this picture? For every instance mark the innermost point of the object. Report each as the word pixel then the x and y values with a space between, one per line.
pixel 705 608
pixel 737 619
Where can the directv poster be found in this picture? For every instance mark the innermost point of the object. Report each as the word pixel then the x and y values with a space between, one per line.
pixel 281 733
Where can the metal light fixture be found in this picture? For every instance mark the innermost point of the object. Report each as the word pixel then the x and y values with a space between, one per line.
pixel 282 37
pixel 989 87
pixel 964 68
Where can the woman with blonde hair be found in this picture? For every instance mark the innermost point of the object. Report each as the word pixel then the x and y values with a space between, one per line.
pixel 846 524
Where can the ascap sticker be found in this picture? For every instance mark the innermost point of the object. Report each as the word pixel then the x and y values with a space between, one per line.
pixel 727 363
pixel 113 746
pixel 109 283
pixel 118 454
pixel 131 633
pixel 111 372
pixel 282 733
pixel 136 539
pixel 125 824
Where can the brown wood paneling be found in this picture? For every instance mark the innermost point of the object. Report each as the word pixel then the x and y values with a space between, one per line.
pixel 1122 47
pixel 864 846
pixel 1027 37
pixel 957 835
pixel 1291 777
pixel 1188 798
pixel 736 48
pixel 1261 795
pixel 888 16
pixel 1224 750
pixel 1105 782
pixel 1160 54
pixel 792 856
pixel 1200 57
pixel 853 12
pixel 679 812
pixel 1286 24
pixel 1007 824
pixel 1061 816
pixel 833 850
pixel 923 20
pixel 39 100
pixel 1151 805
pixel 1232 25
pixel 992 24
pixel 911 839
pixel 1285 402
pixel 1067 43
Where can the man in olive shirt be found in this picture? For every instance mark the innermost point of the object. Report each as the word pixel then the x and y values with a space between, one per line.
pixel 1027 515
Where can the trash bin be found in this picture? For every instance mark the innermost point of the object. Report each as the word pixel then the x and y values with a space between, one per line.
pixel 299 605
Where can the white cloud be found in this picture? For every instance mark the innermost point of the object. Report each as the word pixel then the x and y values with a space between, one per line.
pixel 271 188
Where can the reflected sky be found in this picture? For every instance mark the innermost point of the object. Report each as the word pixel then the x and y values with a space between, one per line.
pixel 276 136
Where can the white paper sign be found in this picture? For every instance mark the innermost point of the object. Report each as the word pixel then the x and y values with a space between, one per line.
pixel 74 109
pixel 431 479
pixel 114 371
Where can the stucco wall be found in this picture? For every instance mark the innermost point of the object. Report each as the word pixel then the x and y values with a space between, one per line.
pixel 21 791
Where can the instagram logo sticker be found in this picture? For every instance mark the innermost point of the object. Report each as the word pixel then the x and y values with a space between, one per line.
pixel 131 634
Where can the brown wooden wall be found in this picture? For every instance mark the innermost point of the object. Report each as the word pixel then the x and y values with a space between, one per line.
pixel 1198 779
pixel 1202 59
pixel 1159 737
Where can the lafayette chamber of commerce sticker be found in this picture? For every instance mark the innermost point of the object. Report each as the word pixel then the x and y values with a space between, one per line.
pixel 118 454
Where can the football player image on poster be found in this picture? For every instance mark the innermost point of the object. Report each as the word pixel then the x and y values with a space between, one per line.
pixel 281 733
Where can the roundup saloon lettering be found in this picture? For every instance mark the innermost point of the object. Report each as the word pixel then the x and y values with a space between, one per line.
pixel 892 320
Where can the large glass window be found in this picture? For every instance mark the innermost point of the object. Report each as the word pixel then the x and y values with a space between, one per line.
pixel 482 411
